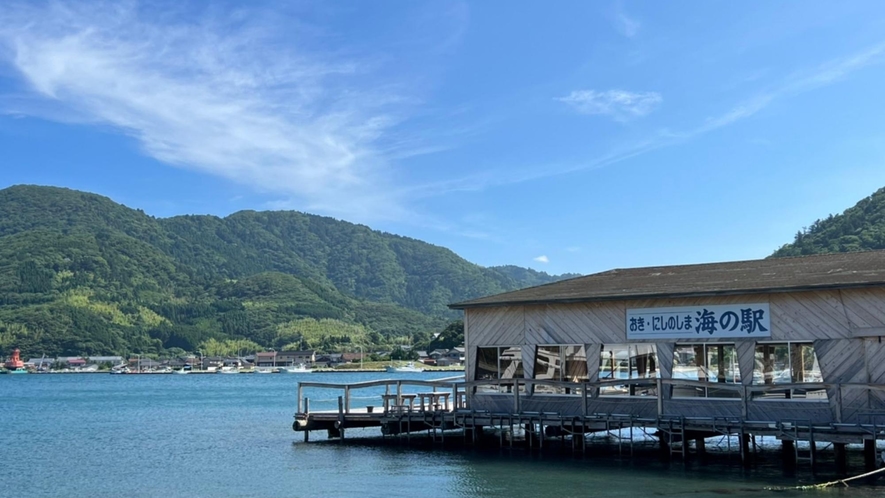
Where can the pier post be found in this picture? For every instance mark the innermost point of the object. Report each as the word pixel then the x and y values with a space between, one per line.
pixel 307 411
pixel 340 418
pixel 839 403
pixel 659 387
pixel 584 399
pixel 700 445
pixel 841 457
pixel 298 409
pixel 664 445
pixel 346 399
pixel 869 453
pixel 745 448
pixel 788 452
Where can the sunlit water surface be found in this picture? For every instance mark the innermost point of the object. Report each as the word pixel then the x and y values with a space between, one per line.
pixel 231 435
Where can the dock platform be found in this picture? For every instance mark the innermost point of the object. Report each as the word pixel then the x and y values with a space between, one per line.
pixel 442 409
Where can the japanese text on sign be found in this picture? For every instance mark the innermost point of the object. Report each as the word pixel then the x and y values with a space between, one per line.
pixel 699 322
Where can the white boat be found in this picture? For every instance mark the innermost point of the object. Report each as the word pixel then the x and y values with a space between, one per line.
pixel 407 368
pixel 181 371
pixel 295 369
pixel 229 370
pixel 263 370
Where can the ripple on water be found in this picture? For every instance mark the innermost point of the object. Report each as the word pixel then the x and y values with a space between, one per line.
pixel 220 436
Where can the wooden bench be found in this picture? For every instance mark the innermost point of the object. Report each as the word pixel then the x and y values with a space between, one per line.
pixel 398 403
pixel 436 401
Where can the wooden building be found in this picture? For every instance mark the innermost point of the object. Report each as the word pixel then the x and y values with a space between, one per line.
pixel 768 340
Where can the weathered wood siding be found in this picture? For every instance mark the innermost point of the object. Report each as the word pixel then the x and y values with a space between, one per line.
pixel 635 406
pixel 563 405
pixel 746 352
pixel 803 316
pixel 845 325
pixel 865 309
pixel 874 352
pixel 790 411
pixel 592 351
pixel 702 407
pixel 502 326
pixel 842 361
pixel 808 316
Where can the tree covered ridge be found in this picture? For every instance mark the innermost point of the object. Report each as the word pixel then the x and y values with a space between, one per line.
pixel 859 228
pixel 81 274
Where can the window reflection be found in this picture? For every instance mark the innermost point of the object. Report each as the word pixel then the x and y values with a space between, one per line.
pixel 787 363
pixel 562 364
pixel 628 362
pixel 710 363
pixel 494 363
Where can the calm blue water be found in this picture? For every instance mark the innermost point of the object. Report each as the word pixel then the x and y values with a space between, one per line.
pixel 230 435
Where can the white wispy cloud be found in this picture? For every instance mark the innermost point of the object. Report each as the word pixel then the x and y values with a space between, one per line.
pixel 232 95
pixel 542 259
pixel 619 104
pixel 623 23
pixel 799 82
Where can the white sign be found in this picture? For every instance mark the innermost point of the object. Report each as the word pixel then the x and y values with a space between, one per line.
pixel 700 322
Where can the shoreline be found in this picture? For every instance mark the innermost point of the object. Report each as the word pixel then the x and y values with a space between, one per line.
pixel 203 372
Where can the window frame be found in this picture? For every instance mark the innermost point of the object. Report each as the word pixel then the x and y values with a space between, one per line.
pixel 503 387
pixel 634 387
pixel 789 394
pixel 704 392
pixel 563 360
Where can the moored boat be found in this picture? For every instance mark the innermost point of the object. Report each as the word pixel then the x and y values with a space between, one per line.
pixel 407 368
pixel 300 368
pixel 15 365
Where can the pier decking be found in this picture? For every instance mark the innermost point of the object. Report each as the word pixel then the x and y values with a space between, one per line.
pixel 466 409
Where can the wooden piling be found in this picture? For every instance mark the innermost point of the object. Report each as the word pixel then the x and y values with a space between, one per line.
pixel 745 448
pixel 306 411
pixel 788 452
pixel 340 424
pixel 841 457
pixel 869 453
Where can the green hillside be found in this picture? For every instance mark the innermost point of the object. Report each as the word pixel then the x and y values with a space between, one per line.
pixel 81 274
pixel 858 228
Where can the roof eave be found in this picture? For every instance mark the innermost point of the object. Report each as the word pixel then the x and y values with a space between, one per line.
pixel 771 290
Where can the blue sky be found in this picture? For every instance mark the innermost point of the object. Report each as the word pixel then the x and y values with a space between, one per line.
pixel 566 136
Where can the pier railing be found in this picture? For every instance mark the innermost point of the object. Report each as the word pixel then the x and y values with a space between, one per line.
pixel 822 402
pixel 393 391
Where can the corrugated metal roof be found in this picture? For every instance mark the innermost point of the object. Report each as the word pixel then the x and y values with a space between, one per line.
pixel 856 269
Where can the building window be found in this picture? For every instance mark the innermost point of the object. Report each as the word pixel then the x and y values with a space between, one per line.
pixel 628 362
pixel 787 363
pixel 562 364
pixel 499 363
pixel 709 363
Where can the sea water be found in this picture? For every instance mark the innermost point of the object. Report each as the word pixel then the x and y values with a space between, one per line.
pixel 231 435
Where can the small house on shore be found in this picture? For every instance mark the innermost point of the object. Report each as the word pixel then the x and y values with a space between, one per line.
pixel 772 339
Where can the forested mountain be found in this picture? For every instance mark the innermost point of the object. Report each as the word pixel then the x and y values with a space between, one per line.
pixel 81 274
pixel 859 228
pixel 530 278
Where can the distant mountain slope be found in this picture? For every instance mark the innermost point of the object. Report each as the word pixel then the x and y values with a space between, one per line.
pixel 81 274
pixel 858 228
pixel 530 278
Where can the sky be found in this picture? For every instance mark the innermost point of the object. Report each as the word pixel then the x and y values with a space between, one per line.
pixel 565 137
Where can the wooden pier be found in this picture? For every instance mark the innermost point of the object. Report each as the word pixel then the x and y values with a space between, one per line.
pixel 460 411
